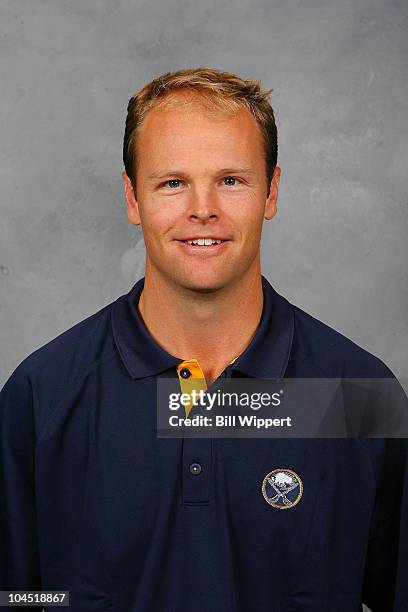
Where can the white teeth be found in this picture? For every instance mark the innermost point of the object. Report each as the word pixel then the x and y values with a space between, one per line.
pixel 204 241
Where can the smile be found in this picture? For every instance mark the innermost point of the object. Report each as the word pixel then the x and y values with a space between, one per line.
pixel 203 241
pixel 203 245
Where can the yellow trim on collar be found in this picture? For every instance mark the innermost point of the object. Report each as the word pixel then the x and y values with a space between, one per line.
pixel 196 381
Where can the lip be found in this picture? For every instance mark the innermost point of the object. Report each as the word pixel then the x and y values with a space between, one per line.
pixel 201 237
pixel 196 249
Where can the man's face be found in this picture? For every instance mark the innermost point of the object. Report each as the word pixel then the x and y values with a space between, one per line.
pixel 200 177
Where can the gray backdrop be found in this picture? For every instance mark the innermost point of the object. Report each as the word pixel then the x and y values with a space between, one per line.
pixel 338 246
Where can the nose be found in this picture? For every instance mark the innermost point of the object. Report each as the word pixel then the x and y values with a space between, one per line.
pixel 203 204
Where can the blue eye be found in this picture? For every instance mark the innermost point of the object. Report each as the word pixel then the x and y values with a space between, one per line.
pixel 173 183
pixel 230 180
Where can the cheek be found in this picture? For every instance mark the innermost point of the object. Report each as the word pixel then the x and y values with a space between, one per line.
pixel 158 219
pixel 246 216
pixel 158 226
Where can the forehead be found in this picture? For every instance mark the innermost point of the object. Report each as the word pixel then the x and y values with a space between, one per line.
pixel 186 128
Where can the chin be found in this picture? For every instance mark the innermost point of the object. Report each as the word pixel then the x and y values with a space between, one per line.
pixel 203 284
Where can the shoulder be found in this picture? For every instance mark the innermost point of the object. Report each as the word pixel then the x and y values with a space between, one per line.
pixel 324 349
pixel 56 365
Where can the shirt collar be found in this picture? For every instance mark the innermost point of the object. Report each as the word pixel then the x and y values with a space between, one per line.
pixel 266 356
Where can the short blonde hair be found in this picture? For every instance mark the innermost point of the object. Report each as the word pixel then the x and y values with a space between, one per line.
pixel 219 91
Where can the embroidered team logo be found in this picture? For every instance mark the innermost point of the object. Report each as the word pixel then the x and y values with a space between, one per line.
pixel 282 488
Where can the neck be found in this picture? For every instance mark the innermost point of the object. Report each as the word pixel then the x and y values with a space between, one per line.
pixel 212 327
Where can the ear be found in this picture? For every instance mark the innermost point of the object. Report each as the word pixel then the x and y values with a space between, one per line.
pixel 272 199
pixel 131 202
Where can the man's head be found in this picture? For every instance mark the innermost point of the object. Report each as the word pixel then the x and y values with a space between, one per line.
pixel 200 153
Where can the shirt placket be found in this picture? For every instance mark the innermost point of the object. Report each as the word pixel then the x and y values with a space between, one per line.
pixel 196 461
pixel 197 468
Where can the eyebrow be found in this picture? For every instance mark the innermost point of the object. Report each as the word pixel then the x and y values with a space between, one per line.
pixel 160 175
pixel 249 171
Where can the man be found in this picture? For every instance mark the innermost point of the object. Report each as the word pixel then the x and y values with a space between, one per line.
pixel 93 502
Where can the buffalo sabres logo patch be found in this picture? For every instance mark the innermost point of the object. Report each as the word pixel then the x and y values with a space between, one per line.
pixel 282 488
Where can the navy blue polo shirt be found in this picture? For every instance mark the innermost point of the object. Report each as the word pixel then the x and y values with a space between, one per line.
pixel 93 502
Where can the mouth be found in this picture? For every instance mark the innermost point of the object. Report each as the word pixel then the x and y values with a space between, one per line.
pixel 203 241
pixel 204 245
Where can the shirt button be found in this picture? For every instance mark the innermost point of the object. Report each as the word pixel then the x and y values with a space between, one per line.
pixel 195 468
pixel 185 373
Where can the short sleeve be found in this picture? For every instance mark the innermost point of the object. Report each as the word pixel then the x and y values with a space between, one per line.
pixel 385 586
pixel 19 557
